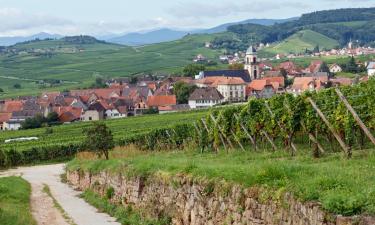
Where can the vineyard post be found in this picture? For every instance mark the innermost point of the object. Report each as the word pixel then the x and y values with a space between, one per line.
pixel 329 125
pixel 221 137
pixel 355 115
pixel 222 131
pixel 280 125
pixel 269 140
pixel 246 131
pixel 314 139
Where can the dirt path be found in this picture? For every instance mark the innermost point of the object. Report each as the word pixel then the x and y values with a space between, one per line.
pixel 42 205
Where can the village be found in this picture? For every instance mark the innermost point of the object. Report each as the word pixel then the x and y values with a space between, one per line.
pixel 122 98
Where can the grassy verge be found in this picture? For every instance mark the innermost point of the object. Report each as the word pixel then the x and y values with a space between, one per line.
pixel 342 186
pixel 15 202
pixel 58 206
pixel 126 216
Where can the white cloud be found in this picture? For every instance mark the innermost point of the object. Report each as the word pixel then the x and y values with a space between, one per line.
pixel 15 21
pixel 212 10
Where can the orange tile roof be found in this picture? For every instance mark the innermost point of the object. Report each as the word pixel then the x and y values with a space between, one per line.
pixel 161 100
pixel 302 83
pixel 4 117
pixel 13 106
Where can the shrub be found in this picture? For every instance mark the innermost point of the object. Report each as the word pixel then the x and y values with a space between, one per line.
pixel 110 193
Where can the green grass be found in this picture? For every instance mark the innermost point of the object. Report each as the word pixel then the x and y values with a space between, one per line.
pixel 15 202
pixel 72 133
pixel 107 60
pixel 126 216
pixel 299 42
pixel 342 186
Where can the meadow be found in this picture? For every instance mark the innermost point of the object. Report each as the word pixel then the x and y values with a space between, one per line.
pixel 15 202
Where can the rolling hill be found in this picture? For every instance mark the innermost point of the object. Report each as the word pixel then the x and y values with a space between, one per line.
pixel 77 61
pixel 300 41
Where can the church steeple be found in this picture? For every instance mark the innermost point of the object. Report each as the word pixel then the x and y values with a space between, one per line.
pixel 251 63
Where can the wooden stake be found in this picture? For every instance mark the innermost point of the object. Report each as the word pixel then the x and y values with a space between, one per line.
pixel 269 140
pixel 238 140
pixel 313 139
pixel 222 131
pixel 246 132
pixel 355 115
pixel 337 136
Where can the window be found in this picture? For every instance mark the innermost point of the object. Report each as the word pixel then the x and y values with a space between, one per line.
pixel 90 118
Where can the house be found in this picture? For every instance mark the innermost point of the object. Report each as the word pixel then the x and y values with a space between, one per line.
pixel 266 87
pixel 205 97
pixel 371 69
pixel 4 117
pixel 312 83
pixel 200 58
pixel 12 106
pixel 233 89
pixel 315 66
pixel 13 124
pixel 68 114
pixel 95 112
pixel 341 81
pixel 161 100
pixel 335 68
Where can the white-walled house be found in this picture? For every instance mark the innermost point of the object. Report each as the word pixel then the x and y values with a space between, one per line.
pixel 233 89
pixel 371 69
pixel 13 124
pixel 205 98
pixel 335 68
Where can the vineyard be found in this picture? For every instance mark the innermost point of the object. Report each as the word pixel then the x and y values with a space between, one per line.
pixel 64 141
pixel 328 121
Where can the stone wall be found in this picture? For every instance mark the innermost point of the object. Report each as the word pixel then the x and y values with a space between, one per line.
pixel 191 202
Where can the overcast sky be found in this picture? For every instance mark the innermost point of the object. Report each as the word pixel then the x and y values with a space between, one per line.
pixel 69 17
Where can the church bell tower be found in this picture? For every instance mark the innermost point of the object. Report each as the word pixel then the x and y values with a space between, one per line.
pixel 252 64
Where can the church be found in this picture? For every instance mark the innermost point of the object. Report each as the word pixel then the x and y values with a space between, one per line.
pixel 249 73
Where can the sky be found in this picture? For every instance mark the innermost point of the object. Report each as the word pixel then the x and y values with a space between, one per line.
pixel 101 17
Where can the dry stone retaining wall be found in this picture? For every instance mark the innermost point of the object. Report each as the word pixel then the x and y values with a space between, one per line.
pixel 191 202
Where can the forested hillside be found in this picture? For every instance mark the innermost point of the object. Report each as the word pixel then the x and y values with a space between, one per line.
pixel 340 25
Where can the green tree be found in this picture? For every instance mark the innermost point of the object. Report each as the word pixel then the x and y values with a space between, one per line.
pixel 52 118
pixel 17 86
pixel 183 92
pixel 351 66
pixel 32 123
pixel 316 49
pixel 324 68
pixel 2 159
pixel 193 69
pixel 1 90
pixel 99 139
pixel 236 66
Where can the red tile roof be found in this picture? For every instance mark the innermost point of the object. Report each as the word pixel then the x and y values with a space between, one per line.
pixel 160 100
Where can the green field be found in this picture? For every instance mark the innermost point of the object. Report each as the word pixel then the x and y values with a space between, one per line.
pixel 15 202
pixel 342 186
pixel 299 42
pixel 106 60
pixel 72 134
